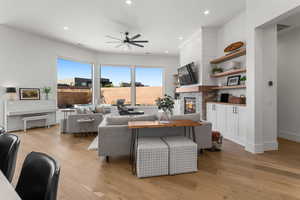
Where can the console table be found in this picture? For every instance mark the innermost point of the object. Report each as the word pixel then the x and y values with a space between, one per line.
pixel 135 126
pixel 17 111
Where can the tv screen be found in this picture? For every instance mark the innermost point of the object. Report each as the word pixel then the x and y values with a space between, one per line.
pixel 187 75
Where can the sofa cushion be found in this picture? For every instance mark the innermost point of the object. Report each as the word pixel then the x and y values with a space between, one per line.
pixel 145 118
pixel 123 120
pixel 195 117
pixel 118 120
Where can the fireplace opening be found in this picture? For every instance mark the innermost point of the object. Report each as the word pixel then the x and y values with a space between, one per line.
pixel 189 105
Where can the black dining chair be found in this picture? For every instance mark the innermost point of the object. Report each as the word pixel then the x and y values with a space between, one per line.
pixel 9 145
pixel 39 178
pixel 2 130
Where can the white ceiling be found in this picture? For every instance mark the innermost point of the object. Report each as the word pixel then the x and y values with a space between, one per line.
pixel 161 22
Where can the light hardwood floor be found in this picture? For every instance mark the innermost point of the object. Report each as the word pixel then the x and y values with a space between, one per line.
pixel 230 174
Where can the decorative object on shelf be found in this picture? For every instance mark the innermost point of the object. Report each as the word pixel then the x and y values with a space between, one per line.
pixel 233 80
pixel 237 100
pixel 165 104
pixel 12 93
pixel 233 65
pixel 47 91
pixel 30 94
pixel 216 70
pixel 243 99
pixel 243 80
pixel 234 47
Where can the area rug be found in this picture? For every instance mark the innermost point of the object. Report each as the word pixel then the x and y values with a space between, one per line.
pixel 94 145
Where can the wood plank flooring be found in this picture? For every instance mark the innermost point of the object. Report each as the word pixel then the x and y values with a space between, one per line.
pixel 232 174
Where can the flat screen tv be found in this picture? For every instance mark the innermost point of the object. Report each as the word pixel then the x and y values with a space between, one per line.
pixel 187 75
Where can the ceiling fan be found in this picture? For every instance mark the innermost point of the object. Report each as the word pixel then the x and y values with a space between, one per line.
pixel 127 41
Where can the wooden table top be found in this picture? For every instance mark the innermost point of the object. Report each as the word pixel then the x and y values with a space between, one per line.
pixel 6 189
pixel 158 124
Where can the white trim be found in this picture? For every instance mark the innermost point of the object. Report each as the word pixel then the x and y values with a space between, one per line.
pixel 254 148
pixel 293 136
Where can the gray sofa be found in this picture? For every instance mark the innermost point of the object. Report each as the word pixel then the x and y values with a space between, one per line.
pixel 83 123
pixel 115 136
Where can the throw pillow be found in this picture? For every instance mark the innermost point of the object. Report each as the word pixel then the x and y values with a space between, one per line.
pixel 118 120
pixel 145 118
pixel 195 117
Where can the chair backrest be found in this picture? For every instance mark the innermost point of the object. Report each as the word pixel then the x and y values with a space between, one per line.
pixel 39 177
pixel 9 145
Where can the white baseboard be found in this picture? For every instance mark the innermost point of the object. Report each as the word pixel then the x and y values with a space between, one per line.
pixel 261 148
pixel 289 135
pixel 271 146
pixel 255 148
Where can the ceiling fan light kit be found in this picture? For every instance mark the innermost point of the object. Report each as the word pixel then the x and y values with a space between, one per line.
pixel 127 41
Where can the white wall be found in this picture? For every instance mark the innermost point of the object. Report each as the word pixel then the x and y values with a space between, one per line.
pixel 288 81
pixel 27 60
pixel 232 31
pixel 191 51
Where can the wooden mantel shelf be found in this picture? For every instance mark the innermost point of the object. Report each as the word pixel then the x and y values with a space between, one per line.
pixel 194 89
pixel 239 53
pixel 229 87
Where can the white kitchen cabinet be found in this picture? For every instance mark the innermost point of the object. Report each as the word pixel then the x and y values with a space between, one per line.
pixel 230 120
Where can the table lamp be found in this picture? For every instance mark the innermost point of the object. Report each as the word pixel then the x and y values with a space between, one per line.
pixel 11 91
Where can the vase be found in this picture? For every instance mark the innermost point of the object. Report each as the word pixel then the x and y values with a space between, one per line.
pixel 47 96
pixel 164 116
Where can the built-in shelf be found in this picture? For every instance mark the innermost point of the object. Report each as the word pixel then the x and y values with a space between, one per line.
pixel 233 104
pixel 229 87
pixel 239 53
pixel 227 73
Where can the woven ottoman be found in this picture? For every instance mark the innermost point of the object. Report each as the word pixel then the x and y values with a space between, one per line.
pixel 183 155
pixel 152 157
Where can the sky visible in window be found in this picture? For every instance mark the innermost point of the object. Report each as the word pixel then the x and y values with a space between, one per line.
pixel 67 69
pixel 147 76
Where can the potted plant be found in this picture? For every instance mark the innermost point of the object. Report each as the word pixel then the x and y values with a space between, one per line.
pixel 47 91
pixel 243 80
pixel 166 105
pixel 216 70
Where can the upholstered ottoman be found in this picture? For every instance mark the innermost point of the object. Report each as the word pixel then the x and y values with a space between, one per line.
pixel 182 156
pixel 152 157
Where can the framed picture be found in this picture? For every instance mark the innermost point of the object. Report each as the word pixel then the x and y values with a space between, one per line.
pixel 29 93
pixel 233 80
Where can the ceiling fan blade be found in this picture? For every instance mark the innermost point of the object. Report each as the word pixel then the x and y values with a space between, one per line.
pixel 114 38
pixel 140 41
pixel 136 36
pixel 132 43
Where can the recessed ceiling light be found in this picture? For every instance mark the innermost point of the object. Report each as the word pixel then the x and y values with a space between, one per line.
pixel 66 28
pixel 180 38
pixel 166 51
pixel 128 2
pixel 206 12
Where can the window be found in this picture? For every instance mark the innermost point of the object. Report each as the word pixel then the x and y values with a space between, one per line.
pixel 115 84
pixel 74 84
pixel 148 85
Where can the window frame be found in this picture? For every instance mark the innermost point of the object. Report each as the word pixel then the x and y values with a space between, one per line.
pixel 133 78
